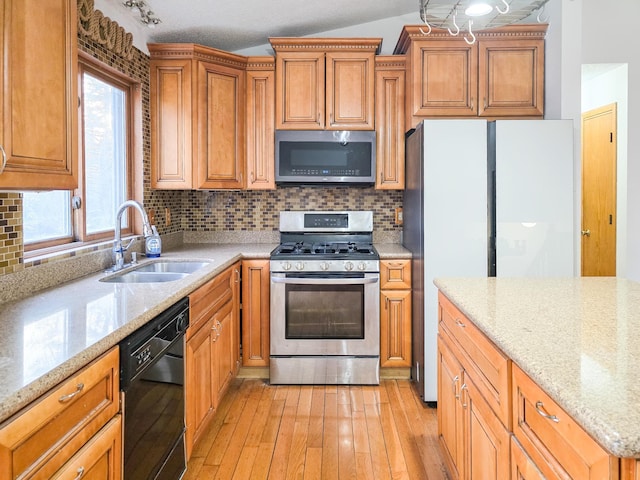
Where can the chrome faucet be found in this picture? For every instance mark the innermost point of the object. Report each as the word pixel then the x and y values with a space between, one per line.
pixel 118 249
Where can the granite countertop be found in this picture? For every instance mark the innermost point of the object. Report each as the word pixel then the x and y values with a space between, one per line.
pixel 577 338
pixel 51 334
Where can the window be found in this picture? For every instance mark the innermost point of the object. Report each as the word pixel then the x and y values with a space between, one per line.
pixel 105 167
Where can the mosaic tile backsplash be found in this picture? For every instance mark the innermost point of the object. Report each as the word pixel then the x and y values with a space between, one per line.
pixel 200 211
pixel 11 247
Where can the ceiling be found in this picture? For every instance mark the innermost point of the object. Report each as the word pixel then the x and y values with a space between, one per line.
pixel 234 26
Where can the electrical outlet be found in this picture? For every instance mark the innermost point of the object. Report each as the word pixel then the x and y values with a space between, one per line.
pixel 152 216
pixel 167 216
pixel 399 216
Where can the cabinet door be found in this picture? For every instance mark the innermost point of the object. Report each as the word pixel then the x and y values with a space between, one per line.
pixel 350 88
pixel 300 91
pixel 100 458
pixel 171 117
pixel 395 328
pixel 511 78
pixel 255 313
pixel 261 129
pixel 444 80
pixel 486 439
pixel 450 414
pixel 223 358
pixel 389 108
pixel 220 127
pixel 39 106
pixel 199 387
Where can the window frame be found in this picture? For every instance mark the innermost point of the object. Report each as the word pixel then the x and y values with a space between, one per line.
pixel 131 88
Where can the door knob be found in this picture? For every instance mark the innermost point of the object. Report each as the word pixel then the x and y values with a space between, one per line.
pixel 586 233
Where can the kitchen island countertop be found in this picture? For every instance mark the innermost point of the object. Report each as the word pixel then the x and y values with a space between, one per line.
pixel 577 338
pixel 51 334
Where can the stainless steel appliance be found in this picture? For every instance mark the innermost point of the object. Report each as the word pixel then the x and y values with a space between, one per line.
pixel 483 199
pixel 152 379
pixel 325 300
pixel 325 157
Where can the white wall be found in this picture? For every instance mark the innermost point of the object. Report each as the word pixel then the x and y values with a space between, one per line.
pixel 603 85
pixel 610 36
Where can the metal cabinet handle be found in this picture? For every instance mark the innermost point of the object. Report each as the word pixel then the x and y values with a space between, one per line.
pixel 4 159
pixel 69 396
pixel 586 233
pixel 540 409
pixel 80 473
pixel 215 338
pixel 455 387
pixel 219 327
pixel 462 389
pixel 459 323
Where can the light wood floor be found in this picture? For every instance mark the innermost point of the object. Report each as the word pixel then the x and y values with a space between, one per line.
pixel 319 432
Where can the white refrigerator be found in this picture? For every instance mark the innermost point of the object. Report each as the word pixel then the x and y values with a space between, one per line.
pixel 483 199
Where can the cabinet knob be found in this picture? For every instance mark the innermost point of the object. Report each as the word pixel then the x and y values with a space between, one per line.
pixel 586 233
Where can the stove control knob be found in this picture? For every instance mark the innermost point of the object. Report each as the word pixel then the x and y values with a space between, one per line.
pixel 324 266
pixel 348 266
pixel 362 266
pixel 299 266
pixel 286 266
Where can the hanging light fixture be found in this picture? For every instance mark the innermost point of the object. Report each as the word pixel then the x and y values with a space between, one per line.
pixel 146 15
pixel 464 16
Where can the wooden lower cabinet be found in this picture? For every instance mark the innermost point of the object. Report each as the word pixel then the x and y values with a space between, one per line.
pixel 486 439
pixel 474 441
pixel 395 313
pixel 450 413
pixel 44 437
pixel 255 313
pixel 100 458
pixel 522 467
pixel 211 354
pixel 552 439
pixel 477 385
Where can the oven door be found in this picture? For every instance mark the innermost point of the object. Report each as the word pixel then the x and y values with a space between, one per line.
pixel 325 314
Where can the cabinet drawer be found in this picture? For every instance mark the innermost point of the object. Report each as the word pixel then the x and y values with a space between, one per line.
pixel 491 367
pixel 556 443
pixel 395 274
pixel 38 441
pixel 208 298
pixel 100 458
pixel 522 467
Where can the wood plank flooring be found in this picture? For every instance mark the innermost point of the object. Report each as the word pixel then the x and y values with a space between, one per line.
pixel 270 432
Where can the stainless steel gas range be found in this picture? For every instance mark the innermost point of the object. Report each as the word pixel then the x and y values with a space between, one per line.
pixel 325 300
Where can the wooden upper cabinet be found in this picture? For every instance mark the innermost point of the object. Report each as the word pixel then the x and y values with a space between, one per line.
pixel 510 77
pixel 38 94
pixel 300 90
pixel 220 127
pixel 260 123
pixel 448 80
pixel 500 75
pixel 197 117
pixel 325 83
pixel 350 88
pixel 390 93
pixel 171 149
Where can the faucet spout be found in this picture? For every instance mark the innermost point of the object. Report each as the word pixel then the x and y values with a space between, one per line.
pixel 118 250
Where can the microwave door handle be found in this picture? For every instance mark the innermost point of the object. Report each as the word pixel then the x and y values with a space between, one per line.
pixel 322 281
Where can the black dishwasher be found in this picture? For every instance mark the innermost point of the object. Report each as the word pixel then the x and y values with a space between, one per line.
pixel 152 379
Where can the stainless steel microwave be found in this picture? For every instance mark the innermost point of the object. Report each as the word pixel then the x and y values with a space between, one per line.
pixel 325 157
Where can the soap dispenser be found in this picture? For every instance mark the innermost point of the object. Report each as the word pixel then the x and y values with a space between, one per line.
pixel 153 244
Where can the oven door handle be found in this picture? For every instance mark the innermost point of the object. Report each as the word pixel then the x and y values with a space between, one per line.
pixel 323 281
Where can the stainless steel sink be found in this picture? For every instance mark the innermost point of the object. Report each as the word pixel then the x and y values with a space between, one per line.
pixel 156 272
pixel 167 266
